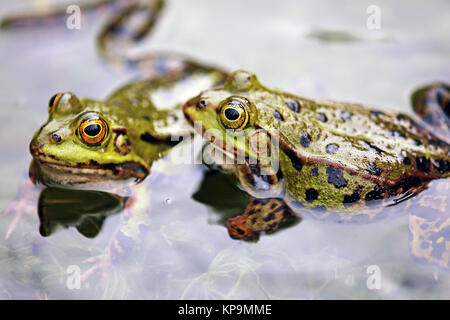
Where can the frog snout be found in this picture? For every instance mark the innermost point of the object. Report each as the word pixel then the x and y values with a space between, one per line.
pixel 42 138
pixel 58 136
pixel 34 150
pixel 191 103
pixel 36 146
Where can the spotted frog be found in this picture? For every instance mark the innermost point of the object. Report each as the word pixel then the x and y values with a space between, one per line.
pixel 331 159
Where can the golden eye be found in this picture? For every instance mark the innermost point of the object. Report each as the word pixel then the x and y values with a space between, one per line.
pixel 53 102
pixel 93 130
pixel 234 113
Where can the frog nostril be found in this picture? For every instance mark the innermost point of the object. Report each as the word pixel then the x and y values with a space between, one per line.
pixel 202 104
pixel 55 138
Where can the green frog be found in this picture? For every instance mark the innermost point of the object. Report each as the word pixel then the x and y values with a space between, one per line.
pixel 291 154
pixel 99 145
pixel 331 159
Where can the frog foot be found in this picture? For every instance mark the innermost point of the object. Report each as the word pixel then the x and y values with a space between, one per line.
pixel 105 262
pixel 25 202
pixel 132 228
pixel 101 262
pixel 429 226
pixel 411 193
pixel 260 216
pixel 430 240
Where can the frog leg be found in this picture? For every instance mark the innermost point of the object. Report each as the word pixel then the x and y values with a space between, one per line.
pixel 131 22
pixel 429 225
pixel 128 27
pixel 260 215
pixel 133 226
pixel 432 104
pixel 430 240
pixel 100 262
pixel 24 202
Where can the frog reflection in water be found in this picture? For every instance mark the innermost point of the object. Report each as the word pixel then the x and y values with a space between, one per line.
pixel 335 159
pixel 85 210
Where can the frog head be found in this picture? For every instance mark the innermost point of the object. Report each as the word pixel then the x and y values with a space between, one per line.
pixel 232 121
pixel 84 144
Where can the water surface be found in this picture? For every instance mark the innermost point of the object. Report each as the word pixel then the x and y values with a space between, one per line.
pixel 319 49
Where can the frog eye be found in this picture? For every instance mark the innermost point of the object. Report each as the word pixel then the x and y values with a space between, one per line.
pixel 240 81
pixel 93 130
pixel 64 103
pixel 234 113
pixel 54 102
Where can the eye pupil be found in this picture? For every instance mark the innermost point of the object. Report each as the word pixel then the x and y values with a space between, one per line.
pixel 92 130
pixel 231 114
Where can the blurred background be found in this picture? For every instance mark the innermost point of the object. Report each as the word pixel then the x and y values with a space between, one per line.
pixel 317 49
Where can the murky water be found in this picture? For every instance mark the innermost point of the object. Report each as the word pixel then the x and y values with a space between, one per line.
pixel 317 49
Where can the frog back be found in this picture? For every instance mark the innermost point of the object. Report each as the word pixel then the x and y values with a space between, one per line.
pixel 336 154
pixel 150 110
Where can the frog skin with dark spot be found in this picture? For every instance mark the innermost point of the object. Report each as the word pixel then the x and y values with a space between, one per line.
pixel 335 159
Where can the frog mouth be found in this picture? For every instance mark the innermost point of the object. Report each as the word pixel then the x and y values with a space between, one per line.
pixel 51 172
pixel 119 171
